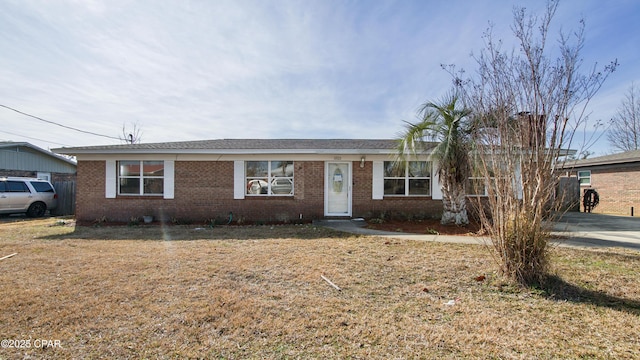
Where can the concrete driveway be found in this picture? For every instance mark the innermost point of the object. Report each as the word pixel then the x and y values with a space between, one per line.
pixel 598 230
pixel 572 229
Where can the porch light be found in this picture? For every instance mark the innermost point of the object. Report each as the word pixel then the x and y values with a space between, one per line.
pixel 362 162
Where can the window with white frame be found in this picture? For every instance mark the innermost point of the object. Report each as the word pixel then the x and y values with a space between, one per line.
pixel 407 178
pixel 140 177
pixel 584 177
pixel 477 183
pixel 269 178
pixel 476 186
pixel 44 176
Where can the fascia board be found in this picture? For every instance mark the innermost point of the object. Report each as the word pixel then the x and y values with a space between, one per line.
pixel 232 152
pixel 247 156
pixel 572 165
pixel 44 152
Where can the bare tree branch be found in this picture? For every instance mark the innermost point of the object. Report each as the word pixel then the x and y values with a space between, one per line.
pixel 527 107
pixel 133 135
pixel 624 133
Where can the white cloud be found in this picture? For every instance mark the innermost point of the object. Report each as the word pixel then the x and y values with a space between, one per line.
pixel 196 70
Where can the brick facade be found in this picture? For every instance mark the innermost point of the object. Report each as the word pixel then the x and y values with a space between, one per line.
pixel 204 190
pixel 401 207
pixel 618 188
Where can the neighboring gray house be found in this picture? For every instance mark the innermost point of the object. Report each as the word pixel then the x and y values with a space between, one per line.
pixel 27 160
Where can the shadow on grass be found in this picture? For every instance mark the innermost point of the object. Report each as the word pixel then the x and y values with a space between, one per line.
pixel 556 288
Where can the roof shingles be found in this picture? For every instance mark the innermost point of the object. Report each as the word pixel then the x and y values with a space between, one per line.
pixel 242 144
pixel 620 158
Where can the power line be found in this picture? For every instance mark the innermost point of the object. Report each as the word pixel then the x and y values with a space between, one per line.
pixel 32 138
pixel 55 123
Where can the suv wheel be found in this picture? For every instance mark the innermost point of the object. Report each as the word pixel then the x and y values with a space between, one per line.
pixel 37 209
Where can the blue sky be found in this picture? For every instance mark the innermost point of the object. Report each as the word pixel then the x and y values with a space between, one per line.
pixel 193 70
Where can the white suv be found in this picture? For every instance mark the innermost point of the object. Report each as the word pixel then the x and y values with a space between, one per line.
pixel 26 195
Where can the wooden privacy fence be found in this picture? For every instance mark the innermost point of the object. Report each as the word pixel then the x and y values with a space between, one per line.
pixel 568 192
pixel 66 198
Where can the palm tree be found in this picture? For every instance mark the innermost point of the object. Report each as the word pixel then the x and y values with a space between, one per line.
pixel 445 124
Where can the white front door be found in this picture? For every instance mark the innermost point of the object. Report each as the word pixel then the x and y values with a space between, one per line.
pixel 337 189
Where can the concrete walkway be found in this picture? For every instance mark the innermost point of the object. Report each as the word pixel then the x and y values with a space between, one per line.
pixel 357 226
pixel 572 229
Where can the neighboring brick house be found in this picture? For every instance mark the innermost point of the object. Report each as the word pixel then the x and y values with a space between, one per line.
pixel 27 160
pixel 256 180
pixel 615 179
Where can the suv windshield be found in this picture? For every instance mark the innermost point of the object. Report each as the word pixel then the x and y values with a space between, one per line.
pixel 41 186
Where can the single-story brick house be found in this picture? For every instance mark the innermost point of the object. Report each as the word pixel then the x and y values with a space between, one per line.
pixel 258 180
pixel 614 179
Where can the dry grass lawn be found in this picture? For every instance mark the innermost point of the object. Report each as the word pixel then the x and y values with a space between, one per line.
pixel 257 292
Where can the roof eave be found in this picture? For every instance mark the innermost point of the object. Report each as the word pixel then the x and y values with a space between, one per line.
pixel 600 163
pixel 49 153
pixel 227 151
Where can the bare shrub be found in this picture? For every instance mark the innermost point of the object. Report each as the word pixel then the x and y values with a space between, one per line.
pixel 527 104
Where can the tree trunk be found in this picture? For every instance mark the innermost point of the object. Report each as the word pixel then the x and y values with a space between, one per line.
pixel 454 202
